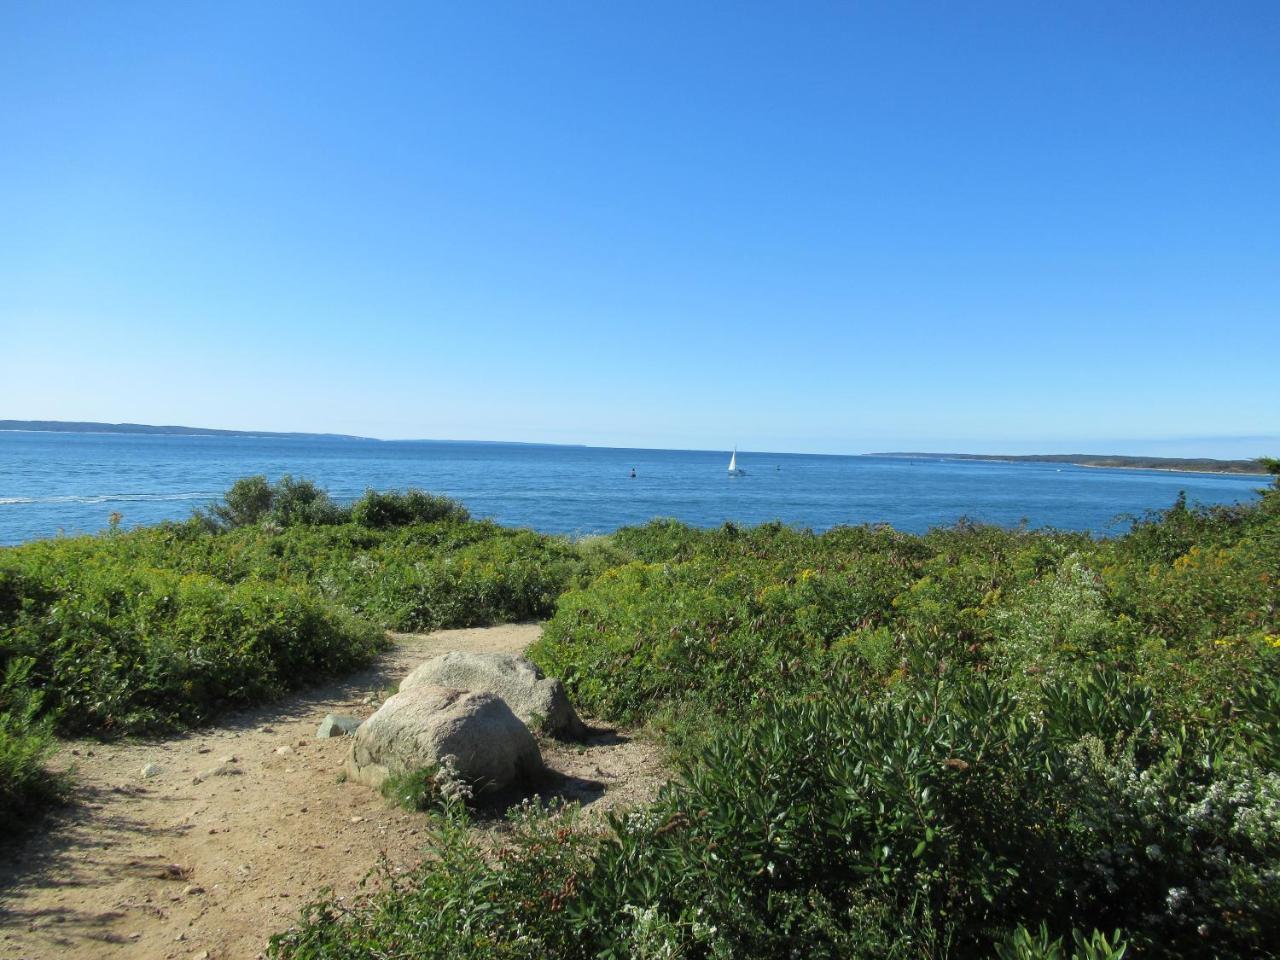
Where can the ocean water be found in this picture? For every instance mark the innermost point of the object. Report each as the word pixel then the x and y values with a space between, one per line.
pixel 53 483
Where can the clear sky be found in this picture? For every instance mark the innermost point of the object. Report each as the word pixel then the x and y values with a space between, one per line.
pixel 830 227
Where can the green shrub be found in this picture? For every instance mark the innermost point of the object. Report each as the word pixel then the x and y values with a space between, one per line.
pixel 302 502
pixel 436 787
pixel 247 502
pixel 1022 944
pixel 380 511
pixel 125 650
pixel 26 786
pixel 287 502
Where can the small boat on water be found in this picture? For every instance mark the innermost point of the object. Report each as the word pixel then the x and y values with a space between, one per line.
pixel 734 469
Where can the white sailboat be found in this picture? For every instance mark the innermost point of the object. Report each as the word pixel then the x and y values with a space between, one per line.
pixel 734 469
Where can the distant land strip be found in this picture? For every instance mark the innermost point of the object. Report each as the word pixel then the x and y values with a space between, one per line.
pixel 1182 464
pixel 78 426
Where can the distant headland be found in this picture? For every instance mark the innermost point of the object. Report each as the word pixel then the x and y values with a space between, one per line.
pixel 1180 464
pixel 82 426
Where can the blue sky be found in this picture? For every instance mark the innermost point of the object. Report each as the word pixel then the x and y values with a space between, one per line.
pixel 826 227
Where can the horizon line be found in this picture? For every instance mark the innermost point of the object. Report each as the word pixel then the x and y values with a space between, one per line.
pixel 122 429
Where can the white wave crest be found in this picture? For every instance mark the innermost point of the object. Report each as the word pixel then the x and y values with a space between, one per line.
pixel 106 498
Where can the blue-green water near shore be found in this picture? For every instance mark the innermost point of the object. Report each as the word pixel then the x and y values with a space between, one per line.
pixel 71 483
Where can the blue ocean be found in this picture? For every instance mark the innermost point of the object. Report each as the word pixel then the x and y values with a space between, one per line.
pixel 69 483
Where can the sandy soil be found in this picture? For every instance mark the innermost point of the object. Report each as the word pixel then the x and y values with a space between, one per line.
pixel 175 865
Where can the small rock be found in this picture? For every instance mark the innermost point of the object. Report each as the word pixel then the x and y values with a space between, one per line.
pixel 266 729
pixel 221 770
pixel 205 750
pixel 284 751
pixel 357 819
pixel 368 700
pixel 192 890
pixel 337 725
pixel 150 770
pixel 229 758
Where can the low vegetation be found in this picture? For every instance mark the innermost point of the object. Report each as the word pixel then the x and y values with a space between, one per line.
pixel 271 589
pixel 974 743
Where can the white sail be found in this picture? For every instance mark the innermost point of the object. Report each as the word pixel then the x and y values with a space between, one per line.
pixel 734 469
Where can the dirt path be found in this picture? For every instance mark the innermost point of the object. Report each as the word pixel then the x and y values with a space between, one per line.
pixel 166 867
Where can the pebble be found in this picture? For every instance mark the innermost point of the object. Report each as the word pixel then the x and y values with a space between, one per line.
pixel 192 890
pixel 150 770
pixel 357 819
pixel 284 751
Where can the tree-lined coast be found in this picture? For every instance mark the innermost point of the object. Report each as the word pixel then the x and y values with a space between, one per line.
pixel 1178 464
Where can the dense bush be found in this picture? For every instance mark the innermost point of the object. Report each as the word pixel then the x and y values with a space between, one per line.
pixel 285 503
pixel 394 509
pixel 121 648
pixel 26 740
pixel 732 616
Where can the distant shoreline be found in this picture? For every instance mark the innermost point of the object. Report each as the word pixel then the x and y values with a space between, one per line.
pixel 146 429
pixel 1105 461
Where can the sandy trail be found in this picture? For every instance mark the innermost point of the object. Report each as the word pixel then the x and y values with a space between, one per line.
pixel 164 867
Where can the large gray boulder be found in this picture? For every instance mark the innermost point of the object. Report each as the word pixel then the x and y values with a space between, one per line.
pixel 540 701
pixel 419 727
